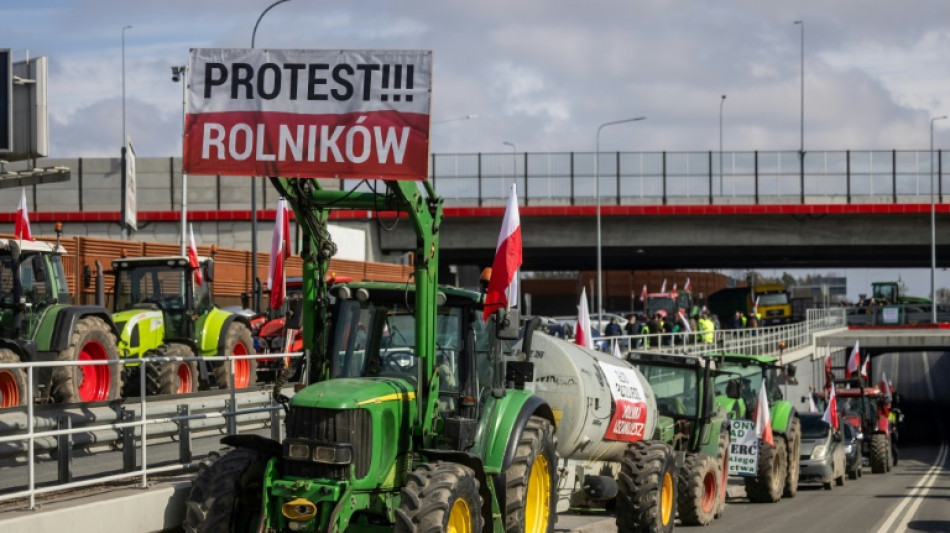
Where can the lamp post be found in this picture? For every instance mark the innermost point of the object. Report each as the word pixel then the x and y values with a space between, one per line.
pixel 465 117
pixel 178 75
pixel 801 141
pixel 254 283
pixel 722 102
pixel 600 272
pixel 122 224
pixel 514 160
pixel 933 227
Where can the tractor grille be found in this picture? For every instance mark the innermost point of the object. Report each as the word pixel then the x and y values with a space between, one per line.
pixel 342 426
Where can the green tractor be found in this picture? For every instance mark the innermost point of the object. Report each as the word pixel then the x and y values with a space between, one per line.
pixel 411 422
pixel 737 390
pixel 695 426
pixel 39 323
pixel 161 310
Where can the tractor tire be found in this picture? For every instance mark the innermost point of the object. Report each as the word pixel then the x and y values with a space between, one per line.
pixel 531 480
pixel 793 440
pixel 237 341
pixel 440 496
pixel 890 456
pixel 226 496
pixel 171 377
pixel 879 453
pixel 698 496
pixel 646 499
pixel 722 460
pixel 13 392
pixel 93 340
pixel 769 482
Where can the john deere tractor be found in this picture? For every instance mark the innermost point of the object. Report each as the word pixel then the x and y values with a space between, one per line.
pixel 737 390
pixel 162 310
pixel 411 422
pixel 39 323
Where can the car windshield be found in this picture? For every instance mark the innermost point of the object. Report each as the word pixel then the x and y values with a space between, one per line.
pixel 676 389
pixel 813 427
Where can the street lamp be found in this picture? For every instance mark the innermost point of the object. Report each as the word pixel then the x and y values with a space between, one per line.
pixel 254 283
pixel 178 75
pixel 122 224
pixel 801 141
pixel 600 270
pixel 466 117
pixel 514 160
pixel 722 102
pixel 933 227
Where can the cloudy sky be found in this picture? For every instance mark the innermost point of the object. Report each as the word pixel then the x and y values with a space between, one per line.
pixel 542 74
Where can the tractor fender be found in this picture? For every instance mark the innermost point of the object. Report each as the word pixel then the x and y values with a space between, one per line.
pixel 65 323
pixel 782 415
pixel 511 415
pixel 212 335
pixel 24 349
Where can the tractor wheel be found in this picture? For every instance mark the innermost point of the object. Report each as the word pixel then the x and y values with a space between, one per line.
pixel 646 500
pixel 698 495
pixel 890 456
pixel 722 460
pixel 172 377
pixel 226 496
pixel 12 381
pixel 531 480
pixel 879 453
pixel 440 496
pixel 793 438
pixel 237 342
pixel 769 482
pixel 92 340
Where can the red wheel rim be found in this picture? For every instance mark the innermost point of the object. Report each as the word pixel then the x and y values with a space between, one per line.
pixel 9 391
pixel 242 367
pixel 709 492
pixel 184 379
pixel 95 378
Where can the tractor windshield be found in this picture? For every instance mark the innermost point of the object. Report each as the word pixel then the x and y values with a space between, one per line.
pixel 676 389
pixel 752 376
pixel 155 287
pixel 660 303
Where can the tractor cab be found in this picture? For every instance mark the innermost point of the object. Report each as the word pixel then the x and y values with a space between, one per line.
pixel 739 378
pixel 32 281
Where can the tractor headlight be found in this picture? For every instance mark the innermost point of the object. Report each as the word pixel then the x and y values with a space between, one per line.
pixel 298 451
pixel 819 452
pixel 318 452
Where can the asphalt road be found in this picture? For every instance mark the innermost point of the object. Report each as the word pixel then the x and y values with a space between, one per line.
pixel 914 496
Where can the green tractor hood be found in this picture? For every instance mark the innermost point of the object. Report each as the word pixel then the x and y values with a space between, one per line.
pixel 355 393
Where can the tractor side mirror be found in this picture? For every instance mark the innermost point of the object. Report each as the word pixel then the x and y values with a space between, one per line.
pixel 294 313
pixel 86 276
pixel 209 270
pixel 507 324
pixel 734 389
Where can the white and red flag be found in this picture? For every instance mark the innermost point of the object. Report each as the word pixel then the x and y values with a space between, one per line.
pixel 21 226
pixel 886 388
pixel 812 408
pixel 279 253
pixel 755 307
pixel 193 255
pixel 686 286
pixel 643 293
pixel 663 287
pixel 763 419
pixel 864 367
pixel 503 284
pixel 582 333
pixel 674 294
pixel 831 411
pixel 854 361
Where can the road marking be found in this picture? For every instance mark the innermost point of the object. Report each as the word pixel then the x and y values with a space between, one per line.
pixel 921 489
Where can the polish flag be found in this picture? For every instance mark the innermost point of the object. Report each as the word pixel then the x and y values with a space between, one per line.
pixel 812 408
pixel 864 367
pixel 682 317
pixel 582 335
pixel 831 411
pixel 503 284
pixel 755 307
pixel 854 361
pixel 21 226
pixel 763 421
pixel 643 293
pixel 887 388
pixel 193 255
pixel 279 252
pixel 663 288
pixel 674 294
pixel 686 286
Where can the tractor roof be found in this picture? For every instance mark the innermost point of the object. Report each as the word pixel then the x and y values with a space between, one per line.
pixel 174 260
pixel 31 246
pixel 854 393
pixel 743 358
pixel 400 291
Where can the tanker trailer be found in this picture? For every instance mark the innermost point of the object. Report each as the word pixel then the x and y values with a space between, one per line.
pixel 606 417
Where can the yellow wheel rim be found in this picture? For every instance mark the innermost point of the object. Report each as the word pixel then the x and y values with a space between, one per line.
pixel 537 507
pixel 666 498
pixel 460 518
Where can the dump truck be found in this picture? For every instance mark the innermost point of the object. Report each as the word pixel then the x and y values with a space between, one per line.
pixel 38 322
pixel 163 307
pixel 774 306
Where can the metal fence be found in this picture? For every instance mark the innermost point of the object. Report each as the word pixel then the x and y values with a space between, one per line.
pixel 749 177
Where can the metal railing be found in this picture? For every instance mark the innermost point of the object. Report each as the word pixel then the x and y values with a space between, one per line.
pixel 130 427
pixel 895 315
pixel 634 178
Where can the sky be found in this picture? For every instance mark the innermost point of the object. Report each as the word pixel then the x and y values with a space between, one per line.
pixel 540 74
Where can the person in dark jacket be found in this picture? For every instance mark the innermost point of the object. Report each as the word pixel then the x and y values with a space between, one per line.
pixel 613 329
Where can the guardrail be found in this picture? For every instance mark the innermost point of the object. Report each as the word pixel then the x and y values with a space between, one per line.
pixel 151 417
pixel 895 315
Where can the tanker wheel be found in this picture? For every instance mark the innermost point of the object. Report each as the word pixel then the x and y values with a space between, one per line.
pixel 92 340
pixel 646 499
pixel 440 496
pixel 722 461
pixel 226 496
pixel 794 441
pixel 238 341
pixel 12 381
pixel 697 496
pixel 879 453
pixel 172 377
pixel 769 482
pixel 531 480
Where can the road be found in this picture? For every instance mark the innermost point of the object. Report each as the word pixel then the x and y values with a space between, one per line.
pixel 914 496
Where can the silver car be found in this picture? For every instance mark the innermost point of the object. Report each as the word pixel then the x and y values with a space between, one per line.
pixel 822 453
